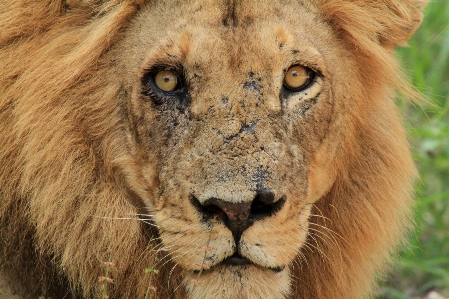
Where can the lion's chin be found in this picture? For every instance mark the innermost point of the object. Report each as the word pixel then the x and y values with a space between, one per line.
pixel 239 282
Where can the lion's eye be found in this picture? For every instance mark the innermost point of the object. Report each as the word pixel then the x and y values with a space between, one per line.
pixel 166 84
pixel 298 77
pixel 166 80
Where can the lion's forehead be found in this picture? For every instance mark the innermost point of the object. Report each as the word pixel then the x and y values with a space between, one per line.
pixel 262 38
pixel 235 70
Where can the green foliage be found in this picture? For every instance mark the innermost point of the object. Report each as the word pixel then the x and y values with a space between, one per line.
pixel 425 264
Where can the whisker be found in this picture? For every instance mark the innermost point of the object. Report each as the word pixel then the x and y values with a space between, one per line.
pixel 170 273
pixel 320 216
pixel 322 236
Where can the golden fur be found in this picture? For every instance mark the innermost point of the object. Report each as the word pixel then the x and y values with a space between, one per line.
pixel 93 170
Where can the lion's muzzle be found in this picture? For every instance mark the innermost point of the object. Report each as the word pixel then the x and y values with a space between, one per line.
pixel 239 216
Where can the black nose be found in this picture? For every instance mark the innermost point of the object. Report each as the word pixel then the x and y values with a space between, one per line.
pixel 239 216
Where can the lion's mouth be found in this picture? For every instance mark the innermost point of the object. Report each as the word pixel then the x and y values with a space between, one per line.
pixel 238 260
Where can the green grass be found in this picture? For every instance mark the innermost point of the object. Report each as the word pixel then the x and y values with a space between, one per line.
pixel 425 264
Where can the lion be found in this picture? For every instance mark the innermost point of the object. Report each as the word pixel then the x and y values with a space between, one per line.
pixel 202 149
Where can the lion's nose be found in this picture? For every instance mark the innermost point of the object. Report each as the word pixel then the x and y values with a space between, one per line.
pixel 236 215
pixel 239 216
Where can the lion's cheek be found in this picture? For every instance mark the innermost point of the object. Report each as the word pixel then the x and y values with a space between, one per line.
pixel 321 172
pixel 236 282
pixel 271 245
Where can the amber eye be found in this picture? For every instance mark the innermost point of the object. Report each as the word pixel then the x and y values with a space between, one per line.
pixel 297 77
pixel 166 80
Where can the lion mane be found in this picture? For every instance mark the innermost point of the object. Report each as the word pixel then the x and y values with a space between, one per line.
pixel 96 168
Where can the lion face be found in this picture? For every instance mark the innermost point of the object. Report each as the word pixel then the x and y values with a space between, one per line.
pixel 224 143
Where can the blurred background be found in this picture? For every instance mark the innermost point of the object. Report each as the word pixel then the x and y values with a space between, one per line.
pixel 422 271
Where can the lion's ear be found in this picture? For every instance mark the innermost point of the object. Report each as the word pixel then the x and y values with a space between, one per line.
pixel 387 22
